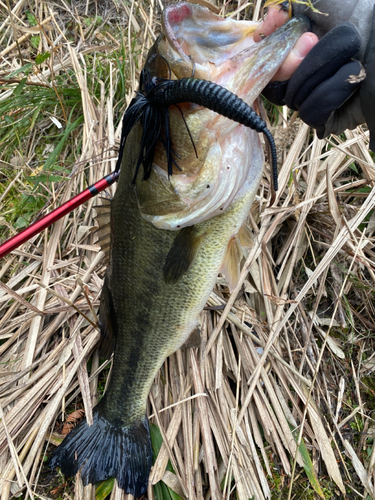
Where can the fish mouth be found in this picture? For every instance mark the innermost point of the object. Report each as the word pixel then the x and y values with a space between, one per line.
pixel 196 42
pixel 229 160
pixel 198 36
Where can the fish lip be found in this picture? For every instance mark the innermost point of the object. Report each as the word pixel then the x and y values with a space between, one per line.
pixel 168 15
pixel 303 22
pixel 306 20
pixel 203 42
pixel 202 29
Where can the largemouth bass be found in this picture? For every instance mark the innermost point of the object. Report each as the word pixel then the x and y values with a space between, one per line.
pixel 172 234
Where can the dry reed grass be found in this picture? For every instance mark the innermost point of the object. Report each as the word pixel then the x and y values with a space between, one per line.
pixel 271 380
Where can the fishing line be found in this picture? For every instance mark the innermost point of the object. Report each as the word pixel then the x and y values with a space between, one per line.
pixel 188 130
pixel 218 99
pixel 158 80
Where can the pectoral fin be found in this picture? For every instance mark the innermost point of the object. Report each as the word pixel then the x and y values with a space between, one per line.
pixel 182 254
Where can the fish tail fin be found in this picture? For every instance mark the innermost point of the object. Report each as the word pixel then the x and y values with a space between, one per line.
pixel 106 450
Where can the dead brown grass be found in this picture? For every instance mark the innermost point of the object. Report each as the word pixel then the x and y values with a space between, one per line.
pixel 284 367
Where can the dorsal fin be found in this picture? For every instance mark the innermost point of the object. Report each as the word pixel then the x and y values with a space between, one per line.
pixel 103 232
pixel 182 254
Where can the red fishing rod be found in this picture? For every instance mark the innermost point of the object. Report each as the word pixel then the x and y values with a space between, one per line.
pixel 57 214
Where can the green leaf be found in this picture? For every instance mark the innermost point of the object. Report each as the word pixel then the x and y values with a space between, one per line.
pixel 31 18
pixel 19 88
pixel 21 222
pixel 60 168
pixel 309 469
pixel 353 167
pixel 173 495
pixel 104 488
pixel 35 40
pixel 55 153
pixel 40 58
pixel 23 69
pixel 157 442
pixel 161 490
pixel 36 115
pixel 156 439
pixel 45 178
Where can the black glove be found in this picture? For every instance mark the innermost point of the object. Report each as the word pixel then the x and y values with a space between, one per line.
pixel 324 82
pixel 336 12
pixel 329 88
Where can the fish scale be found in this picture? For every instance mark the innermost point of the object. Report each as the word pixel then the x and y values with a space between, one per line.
pixel 170 237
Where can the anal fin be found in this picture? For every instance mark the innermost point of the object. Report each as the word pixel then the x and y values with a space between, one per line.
pixel 107 321
pixel 194 339
pixel 231 264
pixel 245 237
pixel 235 252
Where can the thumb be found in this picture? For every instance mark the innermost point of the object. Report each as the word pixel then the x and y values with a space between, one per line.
pixel 303 46
pixel 275 18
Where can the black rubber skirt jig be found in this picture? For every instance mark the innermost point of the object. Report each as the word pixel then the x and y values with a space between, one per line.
pixel 151 108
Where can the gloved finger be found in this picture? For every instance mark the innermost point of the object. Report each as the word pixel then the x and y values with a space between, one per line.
pixel 336 12
pixel 330 95
pixel 275 92
pixel 350 115
pixel 336 48
pixel 367 92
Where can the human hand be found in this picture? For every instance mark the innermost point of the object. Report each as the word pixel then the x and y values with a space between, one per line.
pixel 326 88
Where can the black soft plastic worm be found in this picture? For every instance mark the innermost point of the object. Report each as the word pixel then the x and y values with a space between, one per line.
pixel 150 106
pixel 218 99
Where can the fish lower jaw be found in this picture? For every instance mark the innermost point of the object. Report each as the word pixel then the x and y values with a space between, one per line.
pixel 232 167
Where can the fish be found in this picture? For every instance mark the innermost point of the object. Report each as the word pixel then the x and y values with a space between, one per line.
pixel 172 230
